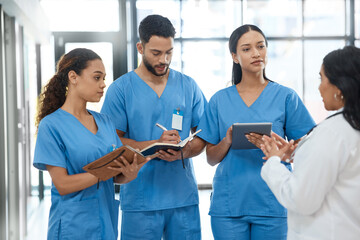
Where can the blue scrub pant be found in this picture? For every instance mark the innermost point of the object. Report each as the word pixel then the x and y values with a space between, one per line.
pixel 249 227
pixel 171 224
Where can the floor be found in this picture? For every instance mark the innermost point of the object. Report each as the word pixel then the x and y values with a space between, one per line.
pixel 37 223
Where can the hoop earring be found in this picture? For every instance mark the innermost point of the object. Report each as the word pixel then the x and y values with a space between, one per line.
pixel 336 97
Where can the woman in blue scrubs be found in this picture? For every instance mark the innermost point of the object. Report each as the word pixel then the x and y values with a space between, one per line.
pixel 242 205
pixel 69 137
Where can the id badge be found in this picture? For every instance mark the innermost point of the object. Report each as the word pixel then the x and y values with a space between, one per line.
pixel 177 119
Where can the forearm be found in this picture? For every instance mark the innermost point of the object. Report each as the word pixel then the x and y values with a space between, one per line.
pixel 135 144
pixel 277 176
pixel 66 184
pixel 78 182
pixel 296 193
pixel 216 153
pixel 194 147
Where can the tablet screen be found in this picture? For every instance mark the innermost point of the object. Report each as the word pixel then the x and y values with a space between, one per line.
pixel 239 141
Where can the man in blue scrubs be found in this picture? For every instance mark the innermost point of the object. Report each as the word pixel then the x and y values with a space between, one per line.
pixel 163 200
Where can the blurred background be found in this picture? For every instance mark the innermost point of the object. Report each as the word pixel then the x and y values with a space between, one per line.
pixel 35 33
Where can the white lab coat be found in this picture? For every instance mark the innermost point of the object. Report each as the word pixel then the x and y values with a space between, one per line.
pixel 322 194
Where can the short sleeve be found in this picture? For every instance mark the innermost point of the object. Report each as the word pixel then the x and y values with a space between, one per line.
pixel 49 149
pixel 199 105
pixel 209 123
pixel 298 119
pixel 109 122
pixel 114 106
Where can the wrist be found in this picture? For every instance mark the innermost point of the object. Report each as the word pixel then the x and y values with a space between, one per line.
pixel 226 142
pixel 187 150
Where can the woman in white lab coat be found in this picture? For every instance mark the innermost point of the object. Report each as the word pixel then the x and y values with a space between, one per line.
pixel 322 194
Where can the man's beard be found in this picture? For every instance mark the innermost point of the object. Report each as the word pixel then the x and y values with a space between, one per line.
pixel 152 69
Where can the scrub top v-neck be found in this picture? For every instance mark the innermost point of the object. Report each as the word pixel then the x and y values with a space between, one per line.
pixel 146 87
pixel 256 100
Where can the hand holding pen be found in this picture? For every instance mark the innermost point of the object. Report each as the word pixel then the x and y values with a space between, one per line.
pixel 170 154
pixel 169 136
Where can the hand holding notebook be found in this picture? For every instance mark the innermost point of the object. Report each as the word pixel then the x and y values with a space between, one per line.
pixel 155 147
pixel 100 167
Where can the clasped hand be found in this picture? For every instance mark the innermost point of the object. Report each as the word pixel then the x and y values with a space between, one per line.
pixel 277 146
pixel 273 146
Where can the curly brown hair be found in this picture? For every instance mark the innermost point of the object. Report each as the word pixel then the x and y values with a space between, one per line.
pixel 54 94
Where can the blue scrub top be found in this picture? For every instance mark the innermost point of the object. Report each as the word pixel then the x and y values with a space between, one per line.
pixel 238 188
pixel 135 108
pixel 63 141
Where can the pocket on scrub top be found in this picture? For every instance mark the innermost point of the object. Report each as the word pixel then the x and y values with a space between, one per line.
pixel 220 194
pixel 81 220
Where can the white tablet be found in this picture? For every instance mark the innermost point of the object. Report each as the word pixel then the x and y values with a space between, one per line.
pixel 239 141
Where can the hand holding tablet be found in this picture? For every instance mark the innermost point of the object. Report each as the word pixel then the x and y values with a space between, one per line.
pixel 239 141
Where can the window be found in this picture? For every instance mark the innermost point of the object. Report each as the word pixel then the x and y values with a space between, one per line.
pixel 207 62
pixel 330 21
pixel 275 18
pixel 315 51
pixel 284 64
pixel 82 15
pixel 209 19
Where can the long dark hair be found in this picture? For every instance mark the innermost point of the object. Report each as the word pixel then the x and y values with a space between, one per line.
pixel 54 94
pixel 342 68
pixel 233 41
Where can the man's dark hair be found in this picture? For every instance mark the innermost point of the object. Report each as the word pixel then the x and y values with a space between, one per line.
pixel 155 25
